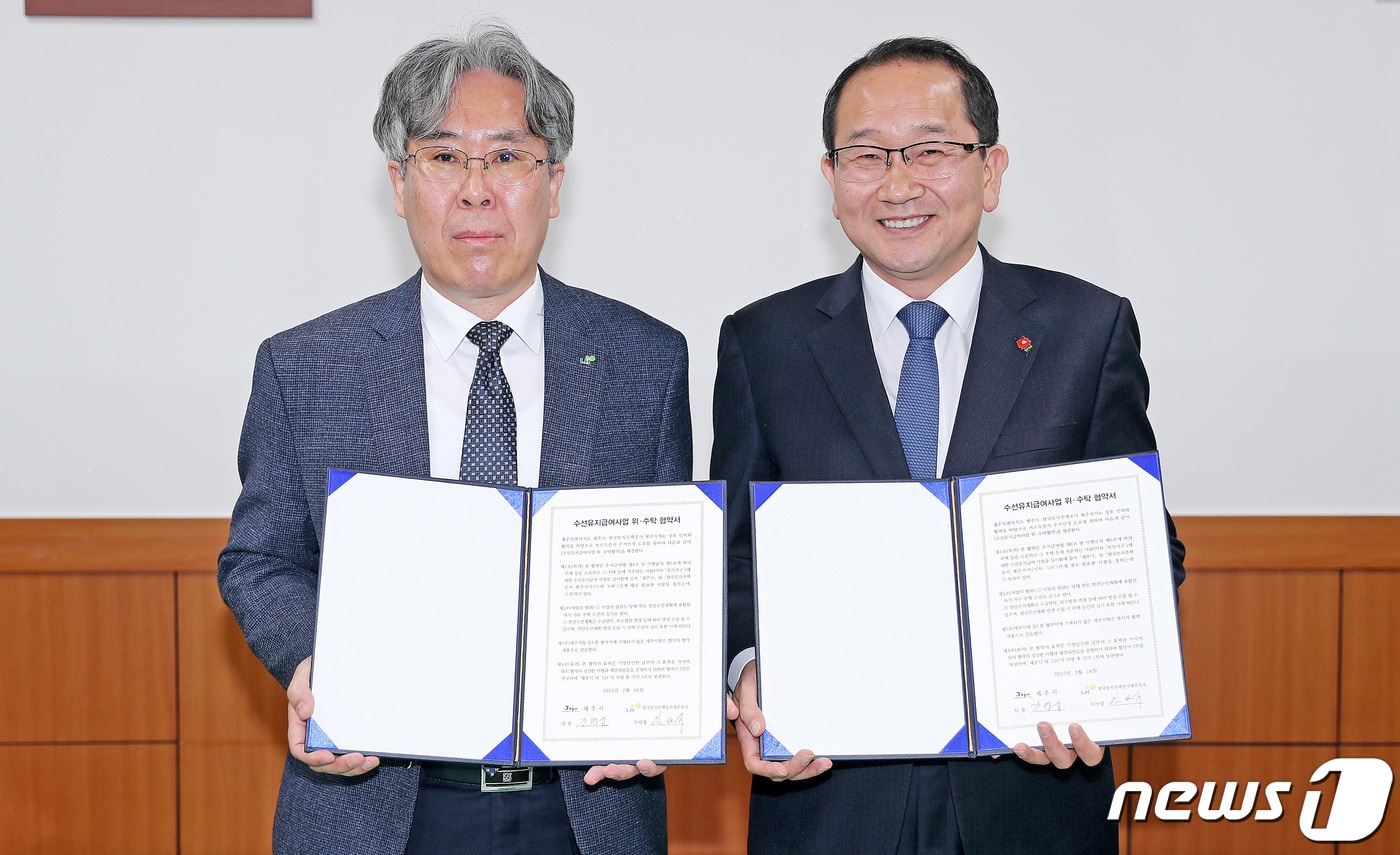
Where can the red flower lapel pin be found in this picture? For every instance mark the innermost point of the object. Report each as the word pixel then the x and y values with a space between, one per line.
pixel 1025 344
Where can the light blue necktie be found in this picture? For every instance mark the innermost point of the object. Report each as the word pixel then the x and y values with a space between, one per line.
pixel 488 441
pixel 916 407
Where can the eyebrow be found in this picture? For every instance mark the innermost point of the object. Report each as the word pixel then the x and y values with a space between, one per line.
pixel 512 135
pixel 937 132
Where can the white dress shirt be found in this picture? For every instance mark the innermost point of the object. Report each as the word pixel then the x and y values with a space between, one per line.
pixel 449 363
pixel 958 296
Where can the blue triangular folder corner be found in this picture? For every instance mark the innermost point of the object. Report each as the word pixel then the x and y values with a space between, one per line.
pixel 1180 726
pixel 715 492
pixel 773 749
pixel 762 492
pixel 529 751
pixel 940 491
pixel 967 485
pixel 540 498
pixel 1149 463
pixel 714 749
pixel 987 743
pixel 335 478
pixel 958 744
pixel 515 498
pixel 316 738
pixel 502 752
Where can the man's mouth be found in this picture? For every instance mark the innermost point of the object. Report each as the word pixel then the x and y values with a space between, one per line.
pixel 907 223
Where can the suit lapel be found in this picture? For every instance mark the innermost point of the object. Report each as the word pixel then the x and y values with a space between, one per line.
pixel 576 370
pixel 395 393
pixel 846 359
pixel 996 367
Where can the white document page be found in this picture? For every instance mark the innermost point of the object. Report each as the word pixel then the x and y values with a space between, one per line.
pixel 417 619
pixel 1071 609
pixel 858 643
pixel 625 634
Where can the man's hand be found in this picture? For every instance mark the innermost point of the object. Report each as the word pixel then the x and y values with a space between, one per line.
pixel 622 772
pixel 299 707
pixel 742 709
pixel 1055 752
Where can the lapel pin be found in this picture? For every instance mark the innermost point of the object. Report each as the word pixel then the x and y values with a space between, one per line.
pixel 587 360
pixel 1025 344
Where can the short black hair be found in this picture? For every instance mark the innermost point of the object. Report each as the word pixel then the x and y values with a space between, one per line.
pixel 979 100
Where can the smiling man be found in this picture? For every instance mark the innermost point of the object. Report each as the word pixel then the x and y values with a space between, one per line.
pixel 927 358
pixel 480 367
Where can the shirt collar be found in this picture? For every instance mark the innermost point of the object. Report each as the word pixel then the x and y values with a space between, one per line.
pixel 958 297
pixel 447 323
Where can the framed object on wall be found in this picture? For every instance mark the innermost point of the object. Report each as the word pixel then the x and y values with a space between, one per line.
pixel 170 8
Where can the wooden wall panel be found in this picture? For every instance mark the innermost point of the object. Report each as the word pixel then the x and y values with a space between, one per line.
pixel 1286 623
pixel 1158 765
pixel 228 793
pixel 89 799
pixel 233 730
pixel 87 658
pixel 1261 655
pixel 1370 702
pixel 111 546
pixel 1290 543
pixel 226 696
pixel 708 806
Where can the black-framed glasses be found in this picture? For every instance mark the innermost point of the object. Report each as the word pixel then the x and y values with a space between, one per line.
pixel 859 164
pixel 507 166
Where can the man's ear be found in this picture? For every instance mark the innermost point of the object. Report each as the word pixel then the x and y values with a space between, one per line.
pixel 396 177
pixel 992 169
pixel 556 178
pixel 829 170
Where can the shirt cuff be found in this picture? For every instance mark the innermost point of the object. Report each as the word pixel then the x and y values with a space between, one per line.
pixel 736 668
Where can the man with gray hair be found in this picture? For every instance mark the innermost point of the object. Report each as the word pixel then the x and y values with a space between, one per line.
pixel 480 367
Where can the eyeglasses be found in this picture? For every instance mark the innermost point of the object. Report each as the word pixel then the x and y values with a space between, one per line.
pixel 506 166
pixel 859 164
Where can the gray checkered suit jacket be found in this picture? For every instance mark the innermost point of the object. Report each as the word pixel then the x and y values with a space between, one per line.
pixel 346 390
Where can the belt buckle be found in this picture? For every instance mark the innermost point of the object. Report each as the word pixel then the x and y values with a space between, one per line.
pixel 506 779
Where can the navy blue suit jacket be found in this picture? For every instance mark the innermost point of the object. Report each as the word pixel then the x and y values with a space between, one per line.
pixel 798 397
pixel 347 391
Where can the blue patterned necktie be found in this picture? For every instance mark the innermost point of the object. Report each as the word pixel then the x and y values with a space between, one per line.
pixel 916 407
pixel 488 442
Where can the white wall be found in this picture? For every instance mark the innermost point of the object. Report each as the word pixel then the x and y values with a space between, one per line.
pixel 176 190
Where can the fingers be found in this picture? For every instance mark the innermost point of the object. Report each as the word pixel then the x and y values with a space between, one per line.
pixel 598 774
pixel 750 725
pixel 323 760
pixel 622 772
pixel 806 765
pixel 348 765
pixel 746 696
pixel 1057 753
pixel 650 769
pixel 1089 751
pixel 299 690
pixel 801 766
pixel 731 709
pixel 299 707
pixel 1033 756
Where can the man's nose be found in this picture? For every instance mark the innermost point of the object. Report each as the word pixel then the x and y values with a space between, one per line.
pixel 475 187
pixel 899 184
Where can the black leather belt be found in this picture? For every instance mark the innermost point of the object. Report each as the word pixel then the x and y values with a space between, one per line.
pixel 491 779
